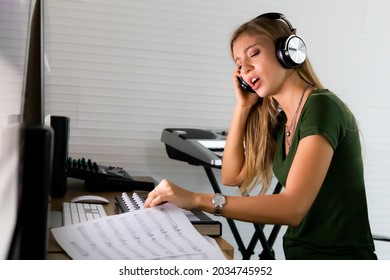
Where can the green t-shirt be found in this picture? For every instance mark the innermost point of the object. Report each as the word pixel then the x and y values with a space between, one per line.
pixel 337 224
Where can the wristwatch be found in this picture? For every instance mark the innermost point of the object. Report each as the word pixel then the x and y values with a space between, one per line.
pixel 219 201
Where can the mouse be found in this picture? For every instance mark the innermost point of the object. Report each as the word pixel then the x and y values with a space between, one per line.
pixel 90 199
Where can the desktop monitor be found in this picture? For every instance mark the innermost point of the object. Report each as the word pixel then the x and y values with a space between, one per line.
pixel 25 158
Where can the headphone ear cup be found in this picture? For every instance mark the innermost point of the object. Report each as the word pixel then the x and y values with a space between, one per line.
pixel 291 51
pixel 279 50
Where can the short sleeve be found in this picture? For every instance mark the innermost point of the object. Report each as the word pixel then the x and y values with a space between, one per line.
pixel 324 114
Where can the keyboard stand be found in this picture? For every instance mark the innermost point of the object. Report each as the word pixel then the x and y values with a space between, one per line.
pixel 182 144
pixel 267 253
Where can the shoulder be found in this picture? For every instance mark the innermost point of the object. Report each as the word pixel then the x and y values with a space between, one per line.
pixel 326 105
pixel 324 97
pixel 326 114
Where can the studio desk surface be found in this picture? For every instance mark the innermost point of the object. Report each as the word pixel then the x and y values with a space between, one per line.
pixel 75 188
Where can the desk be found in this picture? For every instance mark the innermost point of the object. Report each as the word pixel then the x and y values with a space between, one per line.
pixel 76 188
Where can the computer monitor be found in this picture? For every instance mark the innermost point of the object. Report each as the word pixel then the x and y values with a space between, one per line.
pixel 30 150
pixel 33 97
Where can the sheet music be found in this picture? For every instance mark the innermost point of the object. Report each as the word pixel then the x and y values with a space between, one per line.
pixel 161 232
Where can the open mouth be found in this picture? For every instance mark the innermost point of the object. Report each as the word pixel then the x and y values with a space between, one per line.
pixel 255 81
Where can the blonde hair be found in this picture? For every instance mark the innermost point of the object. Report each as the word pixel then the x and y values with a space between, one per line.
pixel 262 122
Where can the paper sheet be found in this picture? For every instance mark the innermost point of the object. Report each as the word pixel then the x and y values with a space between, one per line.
pixel 161 232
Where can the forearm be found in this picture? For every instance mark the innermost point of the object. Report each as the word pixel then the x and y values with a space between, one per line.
pixel 233 155
pixel 263 209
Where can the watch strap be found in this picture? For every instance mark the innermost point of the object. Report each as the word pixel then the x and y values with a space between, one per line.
pixel 217 210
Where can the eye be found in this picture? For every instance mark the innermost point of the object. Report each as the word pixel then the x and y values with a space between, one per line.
pixel 254 53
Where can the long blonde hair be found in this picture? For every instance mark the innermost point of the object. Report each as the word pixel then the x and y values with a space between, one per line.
pixel 262 122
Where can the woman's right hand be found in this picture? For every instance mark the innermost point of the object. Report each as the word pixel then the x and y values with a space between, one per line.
pixel 166 191
pixel 243 97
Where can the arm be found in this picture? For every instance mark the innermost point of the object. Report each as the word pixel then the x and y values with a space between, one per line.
pixel 304 181
pixel 233 155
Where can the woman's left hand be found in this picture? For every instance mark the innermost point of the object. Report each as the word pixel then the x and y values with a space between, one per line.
pixel 167 191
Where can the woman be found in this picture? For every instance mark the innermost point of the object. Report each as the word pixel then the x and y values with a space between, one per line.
pixel 303 134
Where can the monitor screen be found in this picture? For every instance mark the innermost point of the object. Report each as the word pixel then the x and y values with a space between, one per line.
pixel 33 95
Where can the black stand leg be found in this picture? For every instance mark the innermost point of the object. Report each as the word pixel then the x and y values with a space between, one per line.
pixel 232 225
pixel 267 253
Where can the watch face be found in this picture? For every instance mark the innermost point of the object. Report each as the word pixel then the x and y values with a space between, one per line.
pixel 219 199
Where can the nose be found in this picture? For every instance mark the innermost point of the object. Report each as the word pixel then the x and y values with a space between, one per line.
pixel 246 67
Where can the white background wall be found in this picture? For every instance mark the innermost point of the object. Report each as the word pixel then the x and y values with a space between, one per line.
pixel 125 70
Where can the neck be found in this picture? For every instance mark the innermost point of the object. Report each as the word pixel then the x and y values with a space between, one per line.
pixel 290 95
pixel 290 128
pixel 299 107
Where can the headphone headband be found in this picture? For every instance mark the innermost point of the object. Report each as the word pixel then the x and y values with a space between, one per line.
pixel 278 16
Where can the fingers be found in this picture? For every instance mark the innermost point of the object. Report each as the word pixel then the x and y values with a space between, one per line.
pixel 236 74
pixel 152 199
pixel 156 196
pixel 167 191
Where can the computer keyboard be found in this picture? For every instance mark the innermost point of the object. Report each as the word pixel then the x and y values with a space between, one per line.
pixel 73 213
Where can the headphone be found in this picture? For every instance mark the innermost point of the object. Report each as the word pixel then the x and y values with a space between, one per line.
pixel 291 51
